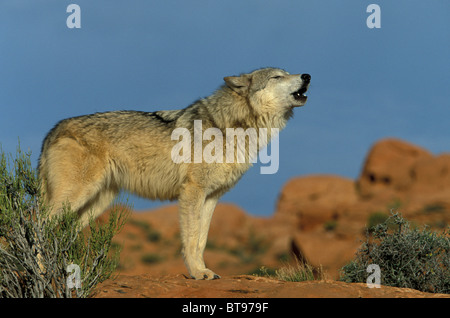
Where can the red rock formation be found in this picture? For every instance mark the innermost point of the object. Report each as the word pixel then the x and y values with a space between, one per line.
pixel 389 167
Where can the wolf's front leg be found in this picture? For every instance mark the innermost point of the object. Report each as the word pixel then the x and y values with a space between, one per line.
pixel 206 214
pixel 195 214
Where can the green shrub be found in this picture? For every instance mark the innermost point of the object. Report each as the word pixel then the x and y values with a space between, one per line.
pixel 407 256
pixel 36 252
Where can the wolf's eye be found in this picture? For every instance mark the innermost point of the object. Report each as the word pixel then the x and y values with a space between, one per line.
pixel 276 77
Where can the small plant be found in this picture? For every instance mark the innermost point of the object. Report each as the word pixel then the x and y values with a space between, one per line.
pixel 407 256
pixel 299 272
pixel 37 252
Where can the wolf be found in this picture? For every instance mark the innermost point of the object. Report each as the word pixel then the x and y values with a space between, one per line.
pixel 86 161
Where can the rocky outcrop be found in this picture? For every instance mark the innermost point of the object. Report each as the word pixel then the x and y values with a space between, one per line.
pixel 389 167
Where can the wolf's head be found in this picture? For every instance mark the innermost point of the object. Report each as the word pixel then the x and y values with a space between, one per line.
pixel 270 90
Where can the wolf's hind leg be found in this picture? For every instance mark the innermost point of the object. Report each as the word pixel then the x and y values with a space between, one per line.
pixel 73 175
pixel 97 205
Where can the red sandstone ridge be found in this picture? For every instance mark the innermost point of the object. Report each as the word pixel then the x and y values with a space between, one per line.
pixel 320 219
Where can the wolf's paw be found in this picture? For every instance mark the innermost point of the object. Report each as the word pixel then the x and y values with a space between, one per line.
pixel 206 274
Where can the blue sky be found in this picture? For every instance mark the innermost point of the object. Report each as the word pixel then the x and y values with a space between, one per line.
pixel 367 84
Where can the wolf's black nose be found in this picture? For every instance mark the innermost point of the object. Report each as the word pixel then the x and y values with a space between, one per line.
pixel 306 78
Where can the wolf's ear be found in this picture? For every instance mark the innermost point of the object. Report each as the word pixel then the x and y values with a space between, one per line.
pixel 239 84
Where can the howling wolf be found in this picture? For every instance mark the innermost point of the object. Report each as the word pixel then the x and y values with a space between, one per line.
pixel 85 161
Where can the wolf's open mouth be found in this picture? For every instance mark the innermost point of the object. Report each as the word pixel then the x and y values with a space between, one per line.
pixel 299 95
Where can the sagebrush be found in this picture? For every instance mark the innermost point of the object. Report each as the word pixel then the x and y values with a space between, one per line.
pixel 408 256
pixel 36 251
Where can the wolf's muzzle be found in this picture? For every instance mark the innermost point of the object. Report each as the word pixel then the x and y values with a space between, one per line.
pixel 298 95
pixel 306 78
